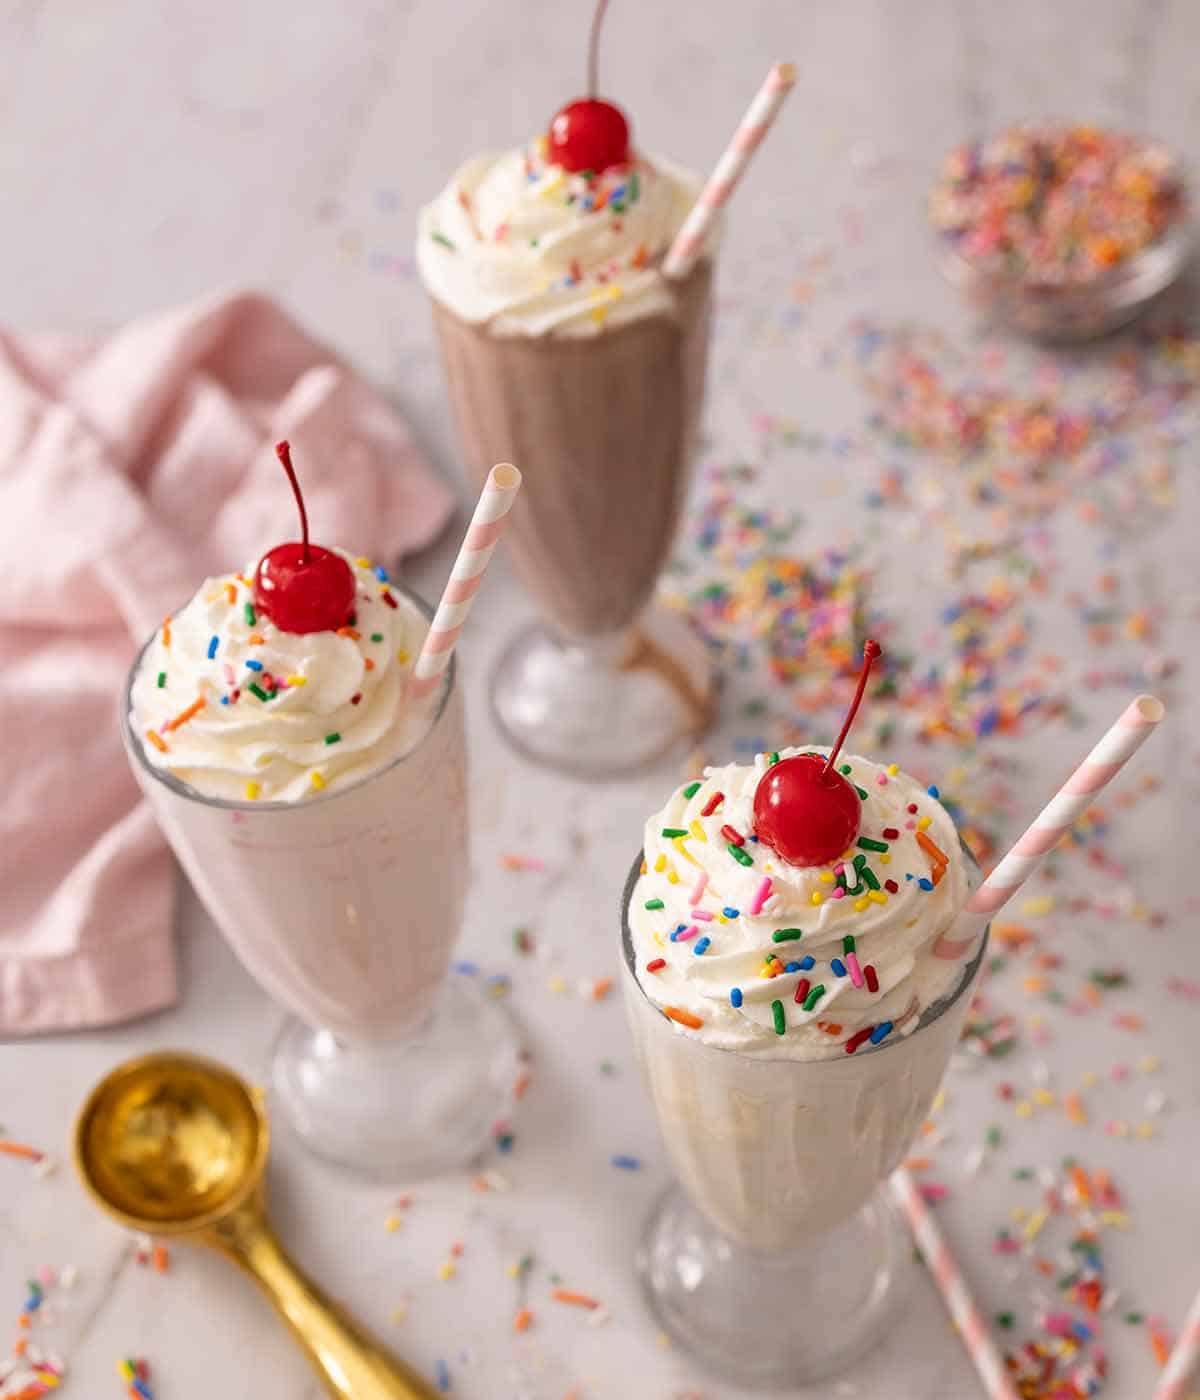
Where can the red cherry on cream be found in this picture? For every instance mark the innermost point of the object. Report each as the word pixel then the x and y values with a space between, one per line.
pixel 588 134
pixel 805 816
pixel 803 809
pixel 300 586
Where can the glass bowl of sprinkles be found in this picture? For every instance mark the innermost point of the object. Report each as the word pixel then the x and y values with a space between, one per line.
pixel 1061 232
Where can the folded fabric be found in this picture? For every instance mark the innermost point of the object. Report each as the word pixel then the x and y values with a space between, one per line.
pixel 130 469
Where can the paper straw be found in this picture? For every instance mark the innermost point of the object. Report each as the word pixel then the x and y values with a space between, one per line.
pixel 955 1294
pixel 683 252
pixel 1172 1384
pixel 1063 810
pixel 487 525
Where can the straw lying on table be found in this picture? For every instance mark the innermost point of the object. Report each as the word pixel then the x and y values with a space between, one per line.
pixel 1172 1384
pixel 486 527
pixel 955 1294
pixel 1065 808
pixel 1096 771
pixel 683 252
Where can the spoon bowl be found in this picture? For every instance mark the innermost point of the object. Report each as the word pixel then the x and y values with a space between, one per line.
pixel 171 1143
pixel 174 1144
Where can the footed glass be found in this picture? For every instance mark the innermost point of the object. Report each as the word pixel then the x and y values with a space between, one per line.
pixel 345 908
pixel 604 426
pixel 779 1258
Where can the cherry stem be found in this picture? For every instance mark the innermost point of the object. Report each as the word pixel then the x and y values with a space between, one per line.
pixel 594 47
pixel 284 453
pixel 870 651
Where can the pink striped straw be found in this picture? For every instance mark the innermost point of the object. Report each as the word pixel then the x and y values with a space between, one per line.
pixel 487 525
pixel 689 241
pixel 1172 1384
pixel 1065 808
pixel 953 1288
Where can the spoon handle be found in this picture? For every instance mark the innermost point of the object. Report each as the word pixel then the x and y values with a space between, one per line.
pixel 350 1362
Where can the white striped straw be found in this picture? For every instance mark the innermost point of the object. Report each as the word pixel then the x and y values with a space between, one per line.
pixel 689 241
pixel 1172 1384
pixel 1058 816
pixel 487 525
pixel 953 1288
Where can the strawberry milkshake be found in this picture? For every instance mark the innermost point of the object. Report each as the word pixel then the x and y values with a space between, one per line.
pixel 312 803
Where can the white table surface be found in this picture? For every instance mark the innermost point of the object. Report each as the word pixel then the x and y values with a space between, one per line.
pixel 149 152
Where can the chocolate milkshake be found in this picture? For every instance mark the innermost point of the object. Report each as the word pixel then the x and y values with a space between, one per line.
pixel 566 349
pixel 606 425
pixel 794 1011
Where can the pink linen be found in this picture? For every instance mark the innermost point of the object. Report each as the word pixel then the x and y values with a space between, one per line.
pixel 130 469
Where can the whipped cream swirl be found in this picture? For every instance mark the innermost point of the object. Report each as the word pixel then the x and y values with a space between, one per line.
pixel 529 248
pixel 240 710
pixel 797 962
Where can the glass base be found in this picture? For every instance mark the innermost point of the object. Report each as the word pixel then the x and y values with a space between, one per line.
pixel 604 707
pixel 403 1109
pixel 774 1321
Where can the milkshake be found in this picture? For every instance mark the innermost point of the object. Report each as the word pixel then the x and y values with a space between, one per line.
pixel 793 1043
pixel 319 811
pixel 309 803
pixel 794 999
pixel 566 349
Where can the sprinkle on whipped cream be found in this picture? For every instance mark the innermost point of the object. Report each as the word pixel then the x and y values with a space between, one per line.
pixel 530 248
pixel 242 711
pixel 750 953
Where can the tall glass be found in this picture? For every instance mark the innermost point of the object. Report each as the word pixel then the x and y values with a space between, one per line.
pixel 604 427
pixel 778 1258
pixel 345 907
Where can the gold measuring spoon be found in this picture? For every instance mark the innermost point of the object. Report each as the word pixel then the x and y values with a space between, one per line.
pixel 174 1144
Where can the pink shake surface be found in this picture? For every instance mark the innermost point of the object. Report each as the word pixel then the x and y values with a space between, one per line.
pixel 344 903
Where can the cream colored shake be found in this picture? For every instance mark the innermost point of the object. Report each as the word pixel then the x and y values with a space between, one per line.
pixel 306 759
pixel 793 1021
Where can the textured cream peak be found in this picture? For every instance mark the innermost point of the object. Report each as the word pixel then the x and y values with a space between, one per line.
pixel 748 940
pixel 242 711
pixel 531 250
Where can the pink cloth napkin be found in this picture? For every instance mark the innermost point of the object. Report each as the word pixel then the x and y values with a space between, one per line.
pixel 130 469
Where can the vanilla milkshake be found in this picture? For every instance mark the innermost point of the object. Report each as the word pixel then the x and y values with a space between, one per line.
pixel 793 1023
pixel 834 961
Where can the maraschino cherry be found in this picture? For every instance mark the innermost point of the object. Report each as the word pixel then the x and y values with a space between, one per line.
pixel 803 809
pixel 302 587
pixel 589 134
